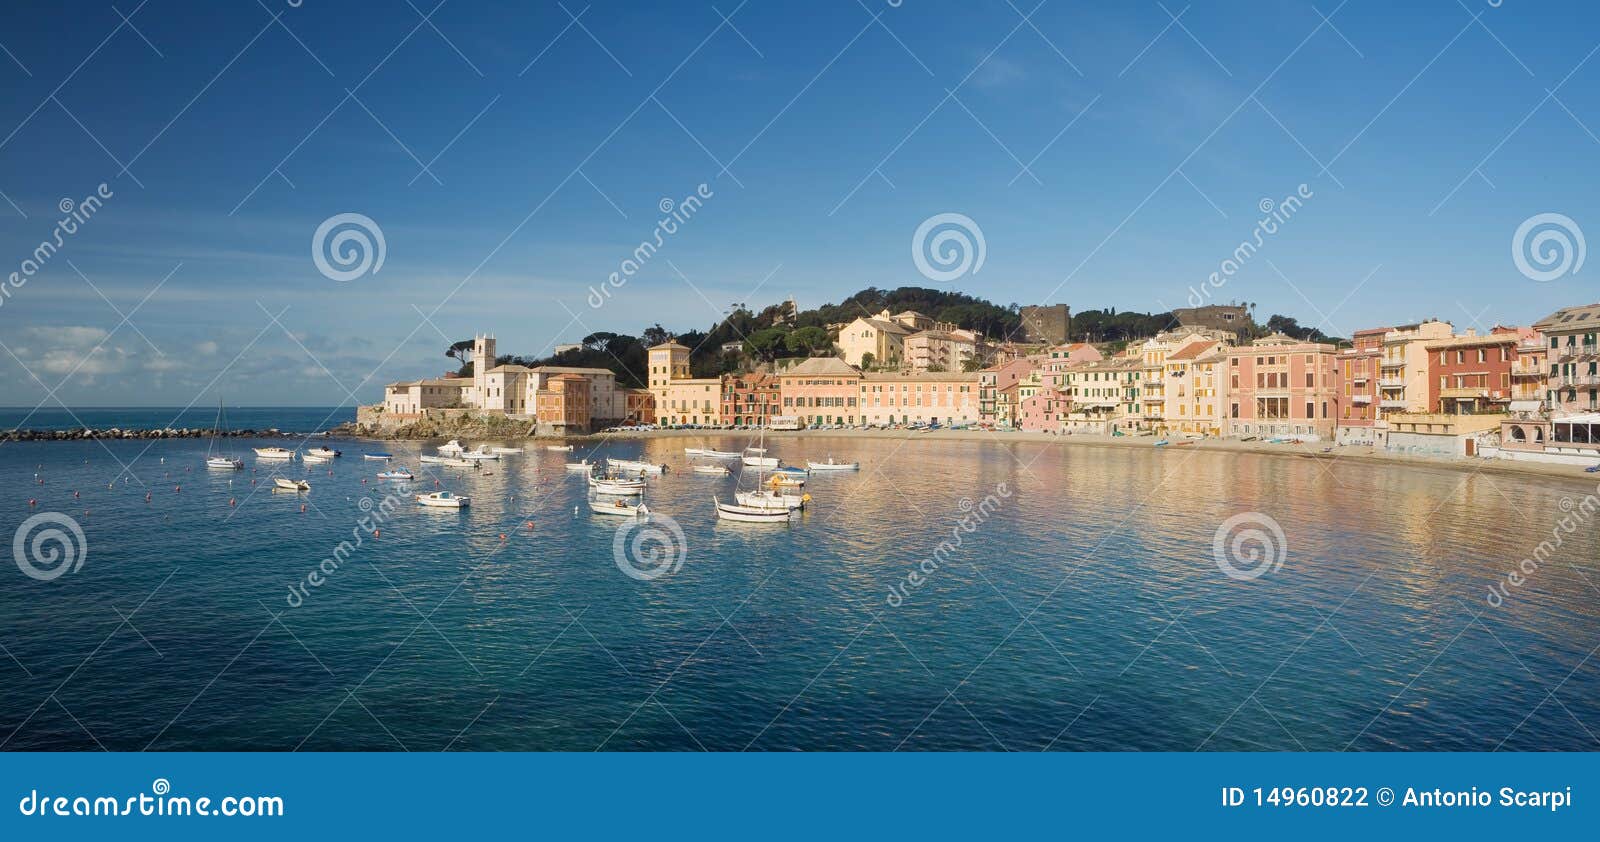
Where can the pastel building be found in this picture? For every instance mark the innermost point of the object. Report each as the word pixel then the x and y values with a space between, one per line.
pixel 821 390
pixel 997 391
pixel 679 397
pixel 750 399
pixel 1405 368
pixel 1180 411
pixel 563 404
pixel 1573 337
pixel 943 350
pixel 1044 411
pixel 409 398
pixel 873 341
pixel 1281 386
pixel 1472 374
pixel 925 397
pixel 1358 370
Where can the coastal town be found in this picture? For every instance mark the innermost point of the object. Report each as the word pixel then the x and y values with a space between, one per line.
pixel 1523 393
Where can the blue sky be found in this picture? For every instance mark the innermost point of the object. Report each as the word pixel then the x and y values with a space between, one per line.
pixel 825 134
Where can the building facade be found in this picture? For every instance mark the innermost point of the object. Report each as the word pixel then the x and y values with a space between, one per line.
pixel 563 404
pixel 1046 323
pixel 1358 369
pixel 1280 386
pixel 926 397
pixel 821 390
pixel 1572 335
pixel 750 399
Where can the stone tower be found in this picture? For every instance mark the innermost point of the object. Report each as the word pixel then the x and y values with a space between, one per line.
pixel 483 355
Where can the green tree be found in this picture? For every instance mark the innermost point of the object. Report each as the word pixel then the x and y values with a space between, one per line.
pixel 808 340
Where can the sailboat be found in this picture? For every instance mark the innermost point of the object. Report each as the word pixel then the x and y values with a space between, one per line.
pixel 770 498
pixel 217 460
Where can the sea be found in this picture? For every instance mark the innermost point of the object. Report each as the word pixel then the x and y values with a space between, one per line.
pixel 990 595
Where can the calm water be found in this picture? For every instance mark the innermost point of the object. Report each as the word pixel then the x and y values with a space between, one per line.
pixel 1375 633
pixel 295 419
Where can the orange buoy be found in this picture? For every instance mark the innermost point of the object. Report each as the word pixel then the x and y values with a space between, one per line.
pixel 176 489
pixel 502 536
pixel 302 508
pixel 377 533
pixel 530 524
pixel 232 502
pixel 33 502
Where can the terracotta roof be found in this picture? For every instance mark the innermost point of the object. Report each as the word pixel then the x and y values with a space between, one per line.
pixel 821 367
pixel 1191 351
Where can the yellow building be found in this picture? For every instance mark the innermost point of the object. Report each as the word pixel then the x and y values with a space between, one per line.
pixel 680 398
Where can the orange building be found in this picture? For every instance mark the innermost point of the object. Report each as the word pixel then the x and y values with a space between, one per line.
pixel 821 390
pixel 564 403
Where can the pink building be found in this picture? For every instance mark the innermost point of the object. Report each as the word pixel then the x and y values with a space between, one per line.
pixel 1358 371
pixel 821 390
pixel 997 390
pixel 1045 411
pixel 1282 386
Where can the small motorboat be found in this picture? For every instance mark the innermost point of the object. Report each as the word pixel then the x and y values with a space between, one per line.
pixel 397 473
pixel 313 456
pixel 443 500
pixel 224 463
pixel 786 481
pixel 286 484
pixel 274 453
pixel 451 448
pixel 1161 442
pixel 449 461
pixel 585 465
pixel 559 448
pixel 789 472
pixel 755 458
pixel 720 454
pixel 619 507
pixel 718 470
pixel 324 453
pixel 505 450
pixel 831 465
pixel 750 514
pixel 481 454
pixel 378 457
pixel 635 467
pixel 616 486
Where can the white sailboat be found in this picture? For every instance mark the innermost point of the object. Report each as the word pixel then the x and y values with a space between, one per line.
pixel 768 495
pixel 755 457
pixel 324 453
pixel 214 459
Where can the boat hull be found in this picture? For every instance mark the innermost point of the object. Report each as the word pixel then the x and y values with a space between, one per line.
pixel 631 466
pixel 748 514
pixel 834 466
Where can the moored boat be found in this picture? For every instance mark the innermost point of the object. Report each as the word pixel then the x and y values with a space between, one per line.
pixel 771 499
pixel 481 454
pixel 378 457
pixel 619 508
pixel 325 452
pixel 750 514
pixel 755 457
pixel 451 448
pixel 312 456
pixel 221 458
pixel 718 470
pixel 559 448
pixel 616 487
pixel 585 465
pixel 224 463
pixel 397 473
pixel 831 465
pixel 448 461
pixel 633 466
pixel 274 453
pixel 443 500
pixel 505 449
pixel 286 484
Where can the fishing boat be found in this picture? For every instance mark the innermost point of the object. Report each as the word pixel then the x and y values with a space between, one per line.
pixel 451 448
pixel 274 453
pixel 378 457
pixel 618 507
pixel 325 452
pixel 505 450
pixel 755 458
pixel 397 473
pixel 617 487
pixel 313 456
pixel 443 500
pixel 831 465
pixel 585 465
pixel 215 458
pixel 718 470
pixel 286 484
pixel 559 448
pixel 481 454
pixel 749 514
pixel 448 461
pixel 635 467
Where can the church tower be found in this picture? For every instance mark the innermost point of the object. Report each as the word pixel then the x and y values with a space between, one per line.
pixel 483 357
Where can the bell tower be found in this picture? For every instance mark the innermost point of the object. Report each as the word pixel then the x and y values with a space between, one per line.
pixel 483 356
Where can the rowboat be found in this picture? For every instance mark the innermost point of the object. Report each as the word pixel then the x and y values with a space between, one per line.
pixel 397 473
pixel 710 469
pixel 831 465
pixel 324 452
pixel 285 484
pixel 505 450
pixel 750 514
pixel 559 448
pixel 274 453
pixel 443 500
pixel 585 465
pixel 705 451
pixel 224 463
pixel 617 487
pixel 632 466
pixel 619 508
pixel 378 457
pixel 771 499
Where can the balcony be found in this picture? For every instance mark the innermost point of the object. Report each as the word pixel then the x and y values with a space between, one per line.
pixel 1394 364
pixel 1570 351
pixel 1391 404
pixel 1392 383
pixel 1465 393
pixel 1528 371
pixel 1361 400
pixel 1580 380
